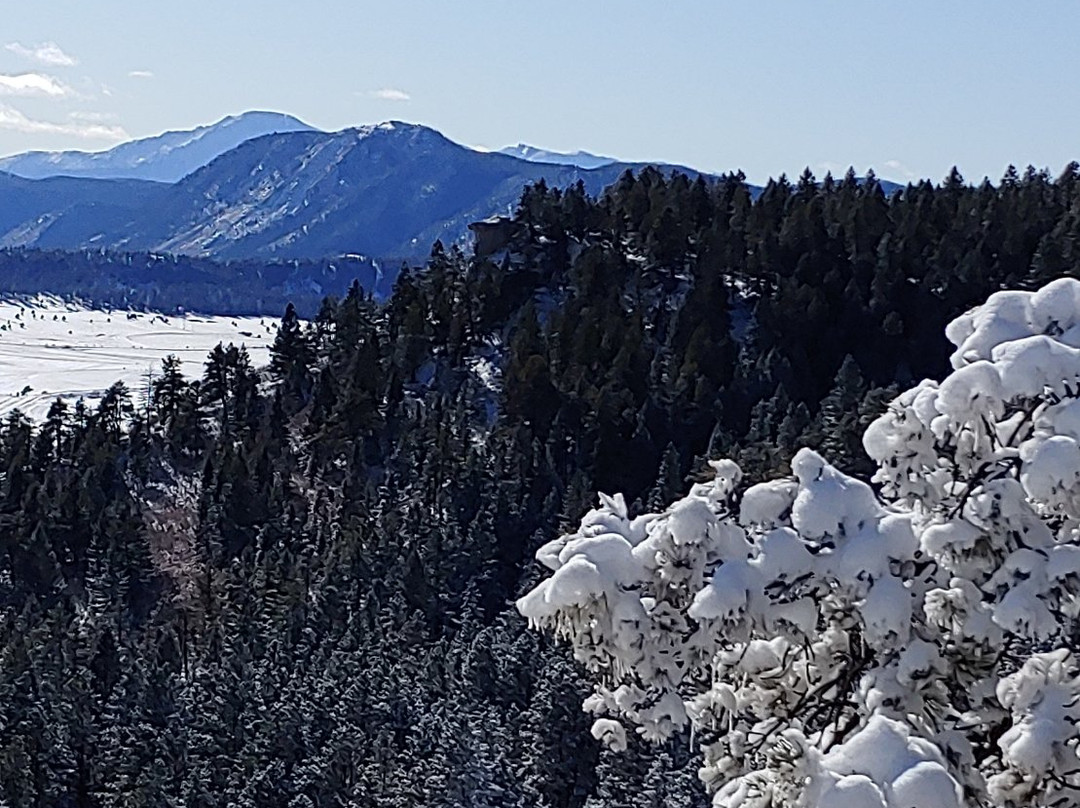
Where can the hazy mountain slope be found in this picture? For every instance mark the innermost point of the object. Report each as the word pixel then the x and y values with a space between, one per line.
pixel 164 158
pixel 72 212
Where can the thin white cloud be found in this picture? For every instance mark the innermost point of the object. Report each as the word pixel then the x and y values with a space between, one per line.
pixel 92 117
pixel 13 120
pixel 391 94
pixel 141 74
pixel 34 85
pixel 47 53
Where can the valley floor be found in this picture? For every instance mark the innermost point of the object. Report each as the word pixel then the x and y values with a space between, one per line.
pixel 50 348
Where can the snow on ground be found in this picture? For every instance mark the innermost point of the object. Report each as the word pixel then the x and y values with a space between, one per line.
pixel 51 348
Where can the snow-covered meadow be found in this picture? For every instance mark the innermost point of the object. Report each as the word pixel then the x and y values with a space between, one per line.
pixel 51 348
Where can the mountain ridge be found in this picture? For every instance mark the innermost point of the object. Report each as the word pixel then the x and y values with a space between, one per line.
pixel 382 190
pixel 167 157
pixel 536 154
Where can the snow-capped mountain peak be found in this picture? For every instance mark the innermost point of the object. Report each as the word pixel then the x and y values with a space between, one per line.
pixel 581 159
pixel 168 157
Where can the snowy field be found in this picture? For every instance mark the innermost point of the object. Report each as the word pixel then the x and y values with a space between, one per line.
pixel 51 348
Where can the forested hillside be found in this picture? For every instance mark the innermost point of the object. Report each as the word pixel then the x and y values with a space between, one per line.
pixel 294 587
pixel 166 283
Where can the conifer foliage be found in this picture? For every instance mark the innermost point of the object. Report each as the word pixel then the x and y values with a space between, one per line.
pixel 294 585
pixel 834 650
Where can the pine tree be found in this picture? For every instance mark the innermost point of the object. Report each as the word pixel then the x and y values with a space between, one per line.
pixel 291 360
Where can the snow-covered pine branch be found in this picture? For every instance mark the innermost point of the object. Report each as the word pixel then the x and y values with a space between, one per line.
pixel 837 649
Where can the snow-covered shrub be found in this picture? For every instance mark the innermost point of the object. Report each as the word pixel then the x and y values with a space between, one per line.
pixel 831 646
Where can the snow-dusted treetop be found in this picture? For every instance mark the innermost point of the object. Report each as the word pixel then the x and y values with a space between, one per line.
pixel 833 647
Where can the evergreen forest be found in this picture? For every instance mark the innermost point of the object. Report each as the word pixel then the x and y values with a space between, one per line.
pixel 294 586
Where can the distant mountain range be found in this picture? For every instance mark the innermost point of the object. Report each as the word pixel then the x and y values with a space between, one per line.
pixel 168 157
pixel 581 159
pixel 386 191
pixel 266 186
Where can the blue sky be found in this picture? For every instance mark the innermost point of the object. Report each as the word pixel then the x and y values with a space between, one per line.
pixel 909 88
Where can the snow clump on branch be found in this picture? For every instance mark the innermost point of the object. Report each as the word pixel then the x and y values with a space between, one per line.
pixel 832 646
